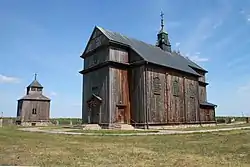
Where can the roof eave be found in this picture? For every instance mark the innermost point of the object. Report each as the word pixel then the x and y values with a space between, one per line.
pixel 200 69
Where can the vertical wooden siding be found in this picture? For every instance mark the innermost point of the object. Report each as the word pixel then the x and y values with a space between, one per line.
pixel 96 58
pixel 207 114
pixel 100 80
pixel 118 55
pixel 192 100
pixel 202 93
pixel 42 110
pixel 137 94
pixel 119 92
pixel 97 39
pixel 155 101
pixel 165 106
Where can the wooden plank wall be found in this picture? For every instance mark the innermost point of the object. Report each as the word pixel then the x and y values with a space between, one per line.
pixel 192 100
pixel 136 87
pixel 96 58
pixel 119 93
pixel 155 98
pixel 118 55
pixel 97 39
pixel 165 107
pixel 207 114
pixel 99 80
pixel 42 110
pixel 202 78
pixel 202 93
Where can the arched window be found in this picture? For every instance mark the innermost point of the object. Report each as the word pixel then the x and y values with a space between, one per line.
pixel 176 88
pixel 34 111
pixel 157 85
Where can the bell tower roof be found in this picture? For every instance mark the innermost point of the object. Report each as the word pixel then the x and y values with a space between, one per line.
pixel 35 83
pixel 162 37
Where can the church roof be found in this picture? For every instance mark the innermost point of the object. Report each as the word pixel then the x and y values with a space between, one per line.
pixel 35 96
pixel 35 84
pixel 154 54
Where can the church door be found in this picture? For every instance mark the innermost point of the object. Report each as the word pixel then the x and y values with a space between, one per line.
pixel 121 114
pixel 95 114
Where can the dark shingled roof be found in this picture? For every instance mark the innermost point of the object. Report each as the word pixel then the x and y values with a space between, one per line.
pixel 207 104
pixel 154 54
pixel 35 96
pixel 35 84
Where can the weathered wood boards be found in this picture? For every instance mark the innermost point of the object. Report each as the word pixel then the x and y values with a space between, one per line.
pixel 136 92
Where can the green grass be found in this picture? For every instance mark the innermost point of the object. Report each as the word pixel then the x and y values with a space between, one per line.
pixel 102 131
pixel 114 131
pixel 208 149
pixel 215 127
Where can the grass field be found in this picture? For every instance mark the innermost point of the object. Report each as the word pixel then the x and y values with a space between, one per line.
pixel 209 149
pixel 216 127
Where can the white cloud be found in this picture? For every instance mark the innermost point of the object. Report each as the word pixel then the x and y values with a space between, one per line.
pixel 177 44
pixel 197 58
pixel 238 61
pixel 8 79
pixel 53 93
pixel 205 28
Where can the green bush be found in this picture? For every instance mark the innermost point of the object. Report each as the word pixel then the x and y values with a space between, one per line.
pixel 66 121
pixel 220 120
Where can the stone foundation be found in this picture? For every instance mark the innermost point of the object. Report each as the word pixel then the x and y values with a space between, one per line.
pixel 35 123
pixel 91 127
pixel 121 126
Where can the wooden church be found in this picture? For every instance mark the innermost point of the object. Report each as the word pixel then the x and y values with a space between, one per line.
pixel 127 81
pixel 34 108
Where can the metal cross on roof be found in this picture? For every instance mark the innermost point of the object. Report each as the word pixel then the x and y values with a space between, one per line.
pixel 162 20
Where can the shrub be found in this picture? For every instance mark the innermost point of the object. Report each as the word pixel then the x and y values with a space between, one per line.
pixel 220 120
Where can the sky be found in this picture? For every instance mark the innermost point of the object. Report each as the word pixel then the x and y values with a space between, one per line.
pixel 47 37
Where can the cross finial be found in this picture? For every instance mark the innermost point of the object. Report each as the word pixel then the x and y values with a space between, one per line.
pixel 35 75
pixel 162 20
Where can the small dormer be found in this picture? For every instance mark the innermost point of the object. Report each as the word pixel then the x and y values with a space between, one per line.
pixel 35 87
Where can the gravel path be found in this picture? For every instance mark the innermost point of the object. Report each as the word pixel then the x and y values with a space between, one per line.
pixel 161 132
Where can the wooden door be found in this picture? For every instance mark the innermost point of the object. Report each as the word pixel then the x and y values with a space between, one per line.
pixel 95 115
pixel 121 115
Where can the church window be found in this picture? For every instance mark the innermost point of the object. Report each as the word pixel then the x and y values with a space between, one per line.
pixel 39 89
pixel 157 85
pixel 33 89
pixel 34 111
pixel 176 88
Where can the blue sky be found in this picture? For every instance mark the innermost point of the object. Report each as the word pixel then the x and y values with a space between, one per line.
pixel 47 37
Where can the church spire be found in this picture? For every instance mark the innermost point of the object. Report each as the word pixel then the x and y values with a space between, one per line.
pixel 162 37
pixel 35 76
pixel 162 21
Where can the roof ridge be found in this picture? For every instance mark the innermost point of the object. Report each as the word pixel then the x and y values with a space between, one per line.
pixel 126 36
pixel 150 52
